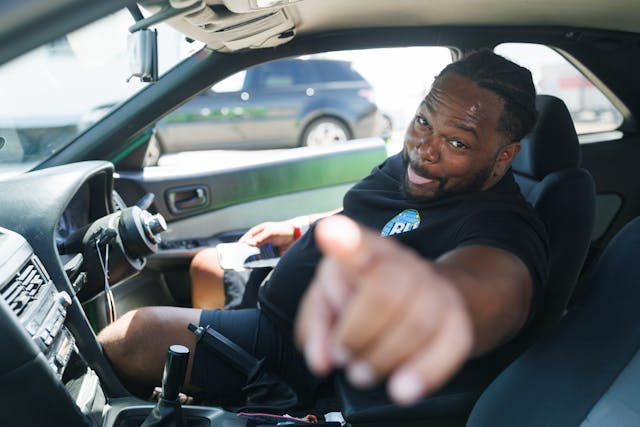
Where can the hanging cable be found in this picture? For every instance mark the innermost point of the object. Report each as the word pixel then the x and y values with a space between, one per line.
pixel 110 307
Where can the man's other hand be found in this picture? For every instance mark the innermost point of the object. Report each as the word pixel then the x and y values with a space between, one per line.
pixel 280 234
pixel 376 309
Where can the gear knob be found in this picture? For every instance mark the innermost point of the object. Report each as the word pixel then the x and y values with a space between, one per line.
pixel 175 369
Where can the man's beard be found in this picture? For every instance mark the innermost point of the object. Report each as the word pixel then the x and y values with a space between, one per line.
pixel 475 182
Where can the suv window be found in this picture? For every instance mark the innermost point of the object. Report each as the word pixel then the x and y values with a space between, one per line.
pixel 279 74
pixel 553 75
pixel 336 71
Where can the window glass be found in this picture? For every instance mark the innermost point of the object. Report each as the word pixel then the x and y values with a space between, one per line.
pixel 336 71
pixel 320 99
pixel 279 74
pixel 274 74
pixel 53 93
pixel 554 75
pixel 400 78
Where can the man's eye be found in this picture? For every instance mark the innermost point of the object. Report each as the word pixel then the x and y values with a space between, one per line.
pixel 457 144
pixel 422 121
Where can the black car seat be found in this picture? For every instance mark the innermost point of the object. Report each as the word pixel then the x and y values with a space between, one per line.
pixel 548 173
pixel 587 371
pixel 547 170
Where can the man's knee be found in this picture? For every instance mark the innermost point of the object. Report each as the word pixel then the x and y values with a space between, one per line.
pixel 137 342
pixel 207 280
pixel 125 339
pixel 206 262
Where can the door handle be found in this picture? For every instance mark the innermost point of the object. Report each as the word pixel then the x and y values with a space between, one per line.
pixel 184 199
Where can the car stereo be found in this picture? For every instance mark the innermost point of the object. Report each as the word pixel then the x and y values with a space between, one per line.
pixel 28 292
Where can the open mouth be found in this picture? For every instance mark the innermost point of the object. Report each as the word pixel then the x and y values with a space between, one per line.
pixel 416 179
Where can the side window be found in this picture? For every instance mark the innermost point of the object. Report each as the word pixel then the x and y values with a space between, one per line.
pixel 400 78
pixel 553 75
pixel 336 71
pixel 312 100
pixel 278 75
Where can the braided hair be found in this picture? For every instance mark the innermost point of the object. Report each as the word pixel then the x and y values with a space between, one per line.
pixel 511 82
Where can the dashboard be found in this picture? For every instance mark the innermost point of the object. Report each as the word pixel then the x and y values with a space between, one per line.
pixel 54 224
pixel 75 216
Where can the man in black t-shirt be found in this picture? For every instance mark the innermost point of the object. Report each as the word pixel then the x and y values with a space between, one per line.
pixel 457 272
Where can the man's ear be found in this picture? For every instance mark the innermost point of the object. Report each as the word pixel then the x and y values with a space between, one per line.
pixel 505 157
pixel 508 153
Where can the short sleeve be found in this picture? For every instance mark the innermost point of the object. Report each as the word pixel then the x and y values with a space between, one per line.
pixel 519 232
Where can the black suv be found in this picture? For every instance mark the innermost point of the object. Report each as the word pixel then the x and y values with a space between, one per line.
pixel 285 103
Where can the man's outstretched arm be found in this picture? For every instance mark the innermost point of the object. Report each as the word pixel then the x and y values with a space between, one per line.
pixel 379 309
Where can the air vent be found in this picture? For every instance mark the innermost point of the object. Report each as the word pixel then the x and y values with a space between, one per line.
pixel 24 288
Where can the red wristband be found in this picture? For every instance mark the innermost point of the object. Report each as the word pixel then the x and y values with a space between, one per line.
pixel 297 232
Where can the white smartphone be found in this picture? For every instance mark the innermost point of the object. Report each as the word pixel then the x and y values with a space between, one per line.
pixel 240 256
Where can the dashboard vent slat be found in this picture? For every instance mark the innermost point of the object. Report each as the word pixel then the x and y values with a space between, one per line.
pixel 24 288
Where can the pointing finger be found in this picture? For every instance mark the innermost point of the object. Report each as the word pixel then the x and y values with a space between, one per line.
pixel 343 240
pixel 430 368
pixel 320 307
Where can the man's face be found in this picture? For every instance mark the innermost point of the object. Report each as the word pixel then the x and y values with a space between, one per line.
pixel 453 144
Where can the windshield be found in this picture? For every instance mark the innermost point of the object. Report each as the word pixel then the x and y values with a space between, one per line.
pixel 52 94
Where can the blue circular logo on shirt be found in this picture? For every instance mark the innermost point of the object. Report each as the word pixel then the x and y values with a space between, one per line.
pixel 406 220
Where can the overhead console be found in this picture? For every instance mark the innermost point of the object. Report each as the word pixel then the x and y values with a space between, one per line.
pixel 229 25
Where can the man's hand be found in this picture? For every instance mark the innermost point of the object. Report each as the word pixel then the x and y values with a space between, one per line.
pixel 378 309
pixel 280 234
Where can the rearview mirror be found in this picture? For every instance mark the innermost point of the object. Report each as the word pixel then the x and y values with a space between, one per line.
pixel 142 47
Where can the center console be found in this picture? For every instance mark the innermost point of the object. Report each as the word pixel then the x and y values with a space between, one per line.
pixel 43 376
pixel 29 293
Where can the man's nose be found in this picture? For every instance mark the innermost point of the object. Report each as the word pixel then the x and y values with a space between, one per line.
pixel 430 149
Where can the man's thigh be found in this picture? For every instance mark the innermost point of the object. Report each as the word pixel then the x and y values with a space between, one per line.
pixel 137 343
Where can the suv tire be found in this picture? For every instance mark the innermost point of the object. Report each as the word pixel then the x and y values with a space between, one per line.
pixel 324 131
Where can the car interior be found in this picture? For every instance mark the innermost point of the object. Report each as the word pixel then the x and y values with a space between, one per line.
pixel 586 369
pixel 99 226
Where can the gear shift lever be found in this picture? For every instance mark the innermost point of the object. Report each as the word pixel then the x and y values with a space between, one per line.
pixel 175 368
pixel 168 412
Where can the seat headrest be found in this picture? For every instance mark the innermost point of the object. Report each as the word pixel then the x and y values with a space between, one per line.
pixel 552 144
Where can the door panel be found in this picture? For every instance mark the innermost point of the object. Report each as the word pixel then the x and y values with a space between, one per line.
pixel 240 217
pixel 230 179
pixel 615 170
pixel 243 190
pixel 607 207
pixel 613 165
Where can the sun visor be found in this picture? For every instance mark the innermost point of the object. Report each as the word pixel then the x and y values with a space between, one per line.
pixel 212 23
pixel 263 30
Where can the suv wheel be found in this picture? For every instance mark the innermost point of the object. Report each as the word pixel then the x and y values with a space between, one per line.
pixel 324 131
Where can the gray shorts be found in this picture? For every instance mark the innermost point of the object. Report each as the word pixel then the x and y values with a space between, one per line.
pixel 241 287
